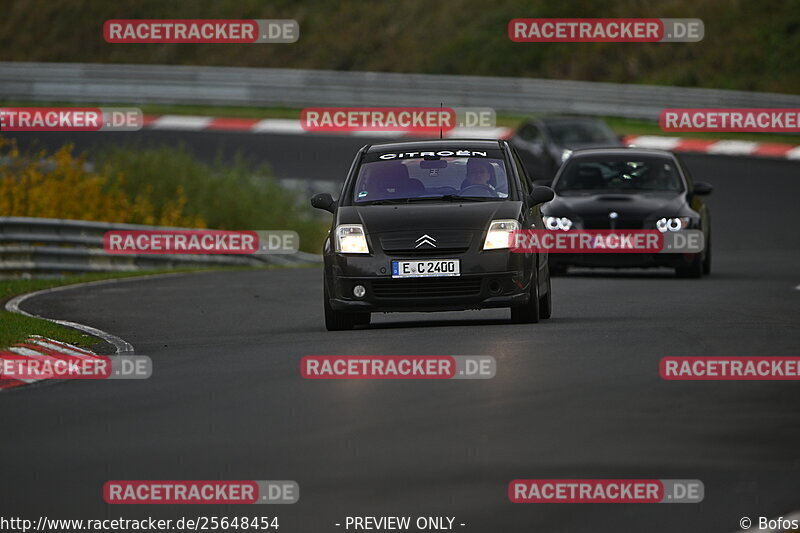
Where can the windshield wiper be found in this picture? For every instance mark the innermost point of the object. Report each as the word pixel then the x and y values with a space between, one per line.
pixel 385 202
pixel 452 198
pixel 446 197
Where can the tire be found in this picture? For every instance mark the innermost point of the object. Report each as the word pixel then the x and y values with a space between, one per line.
pixel 707 260
pixel 528 313
pixel 546 302
pixel 558 270
pixel 338 321
pixel 693 270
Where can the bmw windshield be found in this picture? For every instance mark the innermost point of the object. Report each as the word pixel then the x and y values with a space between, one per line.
pixel 431 178
pixel 619 174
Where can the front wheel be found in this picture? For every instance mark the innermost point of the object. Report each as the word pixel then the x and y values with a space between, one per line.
pixel 546 302
pixel 693 269
pixel 339 321
pixel 558 270
pixel 528 313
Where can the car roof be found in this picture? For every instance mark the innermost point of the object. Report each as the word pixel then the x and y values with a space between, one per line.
pixel 589 152
pixel 436 144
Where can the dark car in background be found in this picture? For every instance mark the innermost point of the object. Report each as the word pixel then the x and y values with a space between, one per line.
pixel 629 189
pixel 425 226
pixel 545 143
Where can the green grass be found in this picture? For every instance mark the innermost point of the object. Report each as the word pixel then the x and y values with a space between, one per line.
pixel 16 328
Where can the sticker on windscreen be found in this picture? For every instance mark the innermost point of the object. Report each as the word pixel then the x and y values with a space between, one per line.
pixel 434 154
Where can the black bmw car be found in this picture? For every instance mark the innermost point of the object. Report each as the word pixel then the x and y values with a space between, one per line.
pixel 629 189
pixel 425 226
pixel 545 143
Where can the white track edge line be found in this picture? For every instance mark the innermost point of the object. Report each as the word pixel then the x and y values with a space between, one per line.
pixel 121 346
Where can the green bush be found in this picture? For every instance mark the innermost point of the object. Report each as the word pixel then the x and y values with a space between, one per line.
pixel 224 196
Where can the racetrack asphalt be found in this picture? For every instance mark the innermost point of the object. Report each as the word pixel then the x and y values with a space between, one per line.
pixel 576 396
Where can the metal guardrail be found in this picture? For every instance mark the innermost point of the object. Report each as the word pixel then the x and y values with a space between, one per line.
pixel 235 86
pixel 41 246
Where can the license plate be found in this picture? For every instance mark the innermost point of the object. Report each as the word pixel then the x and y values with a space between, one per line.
pixel 429 268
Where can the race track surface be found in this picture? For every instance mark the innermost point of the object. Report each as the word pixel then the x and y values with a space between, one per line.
pixel 577 396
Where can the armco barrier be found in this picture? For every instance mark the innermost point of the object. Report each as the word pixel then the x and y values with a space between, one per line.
pixel 49 246
pixel 236 86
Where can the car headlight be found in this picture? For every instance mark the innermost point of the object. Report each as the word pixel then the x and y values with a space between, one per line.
pixel 565 154
pixel 499 234
pixel 350 239
pixel 672 224
pixel 554 223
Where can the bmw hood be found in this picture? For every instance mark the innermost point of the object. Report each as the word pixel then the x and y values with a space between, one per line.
pixel 641 204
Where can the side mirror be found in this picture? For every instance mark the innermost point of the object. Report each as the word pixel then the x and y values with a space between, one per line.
pixel 323 201
pixel 540 195
pixel 701 188
pixel 544 182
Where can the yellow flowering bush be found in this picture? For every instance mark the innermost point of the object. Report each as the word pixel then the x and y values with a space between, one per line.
pixel 62 185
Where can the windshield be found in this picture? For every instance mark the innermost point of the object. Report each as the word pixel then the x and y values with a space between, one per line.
pixel 478 178
pixel 571 133
pixel 619 174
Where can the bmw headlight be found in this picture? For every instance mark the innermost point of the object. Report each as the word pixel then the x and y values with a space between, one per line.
pixel 350 239
pixel 672 224
pixel 555 223
pixel 499 234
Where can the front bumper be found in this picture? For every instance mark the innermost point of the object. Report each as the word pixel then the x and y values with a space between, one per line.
pixel 491 279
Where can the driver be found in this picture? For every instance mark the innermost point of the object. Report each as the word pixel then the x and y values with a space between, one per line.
pixel 660 178
pixel 479 172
